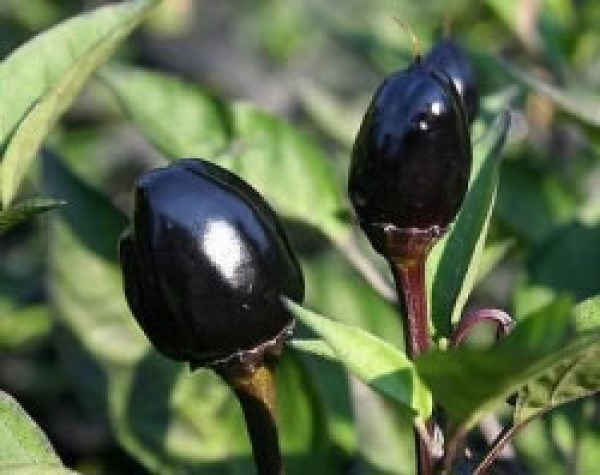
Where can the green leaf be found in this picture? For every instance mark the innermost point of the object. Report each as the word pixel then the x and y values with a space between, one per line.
pixel 567 261
pixel 468 383
pixel 587 314
pixel 24 449
pixel 573 376
pixel 581 104
pixel 281 163
pixel 533 203
pixel 547 445
pixel 42 78
pixel 315 347
pixel 374 361
pixel 25 210
pixel 19 326
pixel 190 418
pixel 190 424
pixel 183 121
pixel 452 266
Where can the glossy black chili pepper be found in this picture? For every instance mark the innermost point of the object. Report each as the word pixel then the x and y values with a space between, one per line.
pixel 205 264
pixel 450 59
pixel 412 156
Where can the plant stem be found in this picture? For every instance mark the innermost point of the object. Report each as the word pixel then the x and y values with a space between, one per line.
pixel 410 281
pixel 503 438
pixel 406 251
pixel 256 393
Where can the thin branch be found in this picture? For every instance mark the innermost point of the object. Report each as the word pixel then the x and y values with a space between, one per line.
pixel 503 438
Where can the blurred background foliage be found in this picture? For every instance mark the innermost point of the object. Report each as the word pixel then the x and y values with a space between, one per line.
pixel 75 360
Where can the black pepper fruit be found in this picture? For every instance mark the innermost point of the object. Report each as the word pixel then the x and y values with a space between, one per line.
pixel 449 58
pixel 205 264
pixel 412 157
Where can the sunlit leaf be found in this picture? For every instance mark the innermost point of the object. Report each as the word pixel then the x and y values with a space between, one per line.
pixel 376 362
pixel 24 449
pixel 182 120
pixel 41 79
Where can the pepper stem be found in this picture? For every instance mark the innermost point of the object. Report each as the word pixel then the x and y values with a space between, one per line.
pixel 410 280
pixel 407 251
pixel 256 393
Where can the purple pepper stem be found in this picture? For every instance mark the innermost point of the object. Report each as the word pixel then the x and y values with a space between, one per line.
pixel 407 251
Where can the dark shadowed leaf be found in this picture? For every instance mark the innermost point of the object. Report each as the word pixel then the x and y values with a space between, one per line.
pixel 575 376
pixel 568 261
pixel 468 383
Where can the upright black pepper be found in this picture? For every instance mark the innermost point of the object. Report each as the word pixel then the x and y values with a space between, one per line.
pixel 412 157
pixel 409 174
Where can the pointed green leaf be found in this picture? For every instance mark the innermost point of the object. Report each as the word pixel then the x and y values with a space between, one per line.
pixel 315 347
pixel 452 266
pixel 43 77
pixel 533 203
pixel 183 121
pixel 24 449
pixel 576 374
pixel 332 287
pixel 25 210
pixel 374 361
